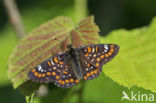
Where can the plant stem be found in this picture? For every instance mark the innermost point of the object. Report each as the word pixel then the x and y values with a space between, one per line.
pixel 14 17
pixel 80 9
pixel 29 99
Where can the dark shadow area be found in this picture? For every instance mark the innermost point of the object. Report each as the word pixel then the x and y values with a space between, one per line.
pixel 10 95
pixel 116 14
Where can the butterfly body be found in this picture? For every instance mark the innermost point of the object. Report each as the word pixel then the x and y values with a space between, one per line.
pixel 69 67
pixel 74 56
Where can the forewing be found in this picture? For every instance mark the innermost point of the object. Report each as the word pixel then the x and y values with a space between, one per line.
pixel 99 54
pixel 93 57
pixel 57 69
pixel 48 71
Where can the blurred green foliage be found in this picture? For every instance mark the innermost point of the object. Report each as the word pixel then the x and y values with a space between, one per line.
pixel 116 14
pixel 7 42
pixel 135 63
pixel 108 14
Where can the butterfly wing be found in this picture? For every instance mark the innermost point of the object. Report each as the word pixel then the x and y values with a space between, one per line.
pixel 93 57
pixel 48 71
pixel 69 77
pixel 56 69
pixel 88 70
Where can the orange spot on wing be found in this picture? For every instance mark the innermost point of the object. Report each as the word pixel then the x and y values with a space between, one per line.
pixel 71 80
pixel 39 75
pixel 60 81
pixel 95 71
pixel 36 74
pixel 109 53
pixel 96 48
pixel 88 74
pixel 89 49
pixel 112 46
pixel 91 72
pixel 60 62
pixel 88 64
pixel 55 60
pixel 63 82
pixel 106 55
pixel 97 64
pixel 53 73
pixel 86 55
pixel 43 75
pixel 76 81
pixel 85 77
pixel 111 50
pixel 67 81
pixel 48 73
pixel 98 59
pixel 102 56
pixel 65 72
pixel 57 77
pixel 49 64
pixel 33 70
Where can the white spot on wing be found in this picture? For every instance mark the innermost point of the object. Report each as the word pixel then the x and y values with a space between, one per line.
pixel 58 70
pixel 39 67
pixel 41 70
pixel 94 55
pixel 85 50
pixel 93 50
pixel 106 48
pixel 52 62
pixel 54 68
pixel 92 60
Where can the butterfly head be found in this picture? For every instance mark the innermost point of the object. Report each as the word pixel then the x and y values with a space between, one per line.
pixel 70 47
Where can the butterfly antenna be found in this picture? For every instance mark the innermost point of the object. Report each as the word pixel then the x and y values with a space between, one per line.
pixel 77 27
pixel 54 38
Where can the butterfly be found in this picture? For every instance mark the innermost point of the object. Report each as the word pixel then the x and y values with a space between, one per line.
pixel 68 68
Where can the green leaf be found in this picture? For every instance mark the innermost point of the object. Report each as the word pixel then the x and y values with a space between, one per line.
pixel 135 63
pixel 47 40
